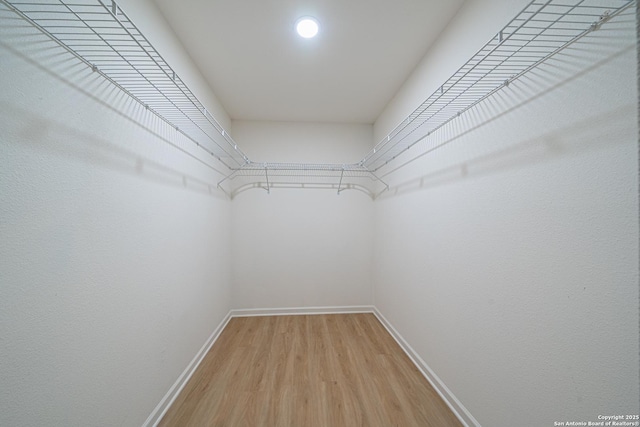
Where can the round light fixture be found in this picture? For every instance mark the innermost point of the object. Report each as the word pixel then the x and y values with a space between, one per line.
pixel 307 27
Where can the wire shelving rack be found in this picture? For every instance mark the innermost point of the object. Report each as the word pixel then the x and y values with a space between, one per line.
pixel 103 37
pixel 542 29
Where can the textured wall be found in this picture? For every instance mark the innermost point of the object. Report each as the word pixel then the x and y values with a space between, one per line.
pixel 298 248
pixel 508 256
pixel 114 261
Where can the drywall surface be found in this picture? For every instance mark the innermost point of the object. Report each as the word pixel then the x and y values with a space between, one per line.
pixel 114 262
pixel 508 255
pixel 301 248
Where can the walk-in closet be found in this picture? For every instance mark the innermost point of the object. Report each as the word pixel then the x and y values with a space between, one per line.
pixel 319 213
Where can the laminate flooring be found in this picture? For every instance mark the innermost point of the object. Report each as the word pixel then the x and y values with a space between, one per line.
pixel 299 371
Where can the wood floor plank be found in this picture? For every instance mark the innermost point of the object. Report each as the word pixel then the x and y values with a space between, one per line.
pixel 317 370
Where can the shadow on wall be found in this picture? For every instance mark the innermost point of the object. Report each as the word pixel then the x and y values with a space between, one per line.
pixel 547 80
pixel 57 138
pixel 129 140
pixel 550 146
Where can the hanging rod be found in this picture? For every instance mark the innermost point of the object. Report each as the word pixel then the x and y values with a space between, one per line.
pixel 103 37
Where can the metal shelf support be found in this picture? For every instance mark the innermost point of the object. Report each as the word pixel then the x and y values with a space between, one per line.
pixel 101 35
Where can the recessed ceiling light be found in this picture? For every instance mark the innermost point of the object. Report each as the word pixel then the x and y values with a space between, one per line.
pixel 307 27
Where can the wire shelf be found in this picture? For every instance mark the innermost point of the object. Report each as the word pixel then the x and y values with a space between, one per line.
pixel 101 35
pixel 304 175
pixel 540 30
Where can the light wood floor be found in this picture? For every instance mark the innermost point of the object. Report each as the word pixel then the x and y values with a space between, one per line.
pixel 299 371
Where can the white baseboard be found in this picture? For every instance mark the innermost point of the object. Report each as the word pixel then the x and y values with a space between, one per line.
pixel 454 404
pixel 168 399
pixel 248 312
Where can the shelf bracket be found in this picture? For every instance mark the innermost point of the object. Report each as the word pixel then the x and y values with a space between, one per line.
pixel 230 176
pixel 266 174
pixel 340 183
pixel 386 186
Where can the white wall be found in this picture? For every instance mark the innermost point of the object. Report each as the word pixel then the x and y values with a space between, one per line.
pixel 508 256
pixel 114 262
pixel 300 248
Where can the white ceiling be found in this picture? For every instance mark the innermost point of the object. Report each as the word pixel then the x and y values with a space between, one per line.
pixel 261 70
